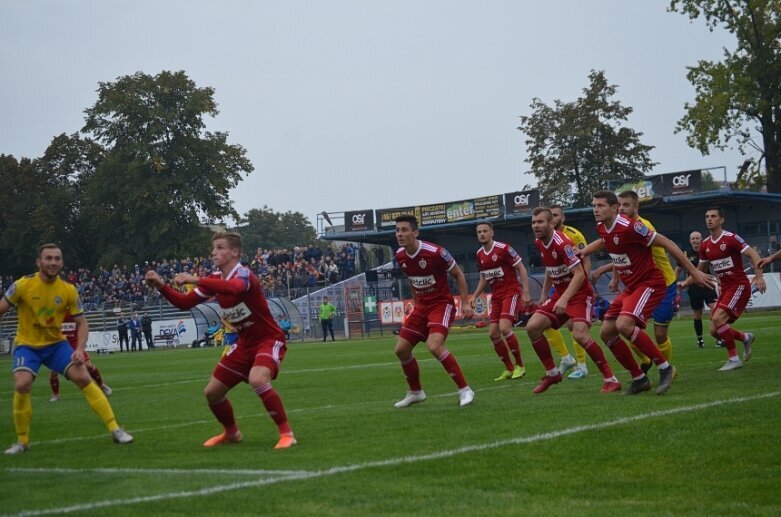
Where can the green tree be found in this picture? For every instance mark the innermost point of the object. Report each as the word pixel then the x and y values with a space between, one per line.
pixel 740 97
pixel 40 202
pixel 265 228
pixel 164 175
pixel 575 148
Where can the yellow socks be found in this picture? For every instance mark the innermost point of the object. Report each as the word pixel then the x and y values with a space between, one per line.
pixel 556 341
pixel 667 349
pixel 23 414
pixel 100 405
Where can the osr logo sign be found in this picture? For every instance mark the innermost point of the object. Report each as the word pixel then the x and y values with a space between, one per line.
pixel 681 180
pixel 521 199
pixel 359 218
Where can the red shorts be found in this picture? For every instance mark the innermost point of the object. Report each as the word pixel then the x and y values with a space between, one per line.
pixel 578 309
pixel 506 307
pixel 638 303
pixel 734 299
pixel 427 319
pixel 234 367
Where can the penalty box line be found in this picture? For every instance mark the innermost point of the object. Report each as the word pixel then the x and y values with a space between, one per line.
pixel 304 475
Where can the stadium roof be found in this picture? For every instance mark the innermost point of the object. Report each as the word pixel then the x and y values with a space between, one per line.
pixel 662 204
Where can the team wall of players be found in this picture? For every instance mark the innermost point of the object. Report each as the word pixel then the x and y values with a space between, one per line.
pixel 638 255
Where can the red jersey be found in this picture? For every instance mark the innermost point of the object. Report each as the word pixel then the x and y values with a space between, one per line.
pixel 558 257
pixel 628 242
pixel 427 270
pixel 68 328
pixel 242 302
pixel 725 256
pixel 497 266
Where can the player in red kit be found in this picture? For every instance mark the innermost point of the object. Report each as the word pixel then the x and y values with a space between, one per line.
pixel 260 348
pixel 498 263
pixel 572 299
pixel 628 241
pixel 723 252
pixel 71 334
pixel 427 267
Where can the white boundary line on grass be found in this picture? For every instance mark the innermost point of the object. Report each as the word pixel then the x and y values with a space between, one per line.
pixel 396 461
pixel 173 472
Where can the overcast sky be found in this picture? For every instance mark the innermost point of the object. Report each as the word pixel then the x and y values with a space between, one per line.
pixel 346 105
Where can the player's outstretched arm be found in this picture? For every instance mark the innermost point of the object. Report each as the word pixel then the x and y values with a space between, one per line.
pixel 769 260
pixel 697 276
pixel 759 279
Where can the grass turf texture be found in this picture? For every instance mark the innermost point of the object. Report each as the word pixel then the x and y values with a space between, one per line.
pixel 709 446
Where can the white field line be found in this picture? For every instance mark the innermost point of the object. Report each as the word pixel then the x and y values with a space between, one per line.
pixel 396 461
pixel 167 472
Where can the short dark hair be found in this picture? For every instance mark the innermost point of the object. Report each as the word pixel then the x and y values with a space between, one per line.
pixel 717 209
pixel 47 246
pixel 541 209
pixel 630 194
pixel 487 223
pixel 408 218
pixel 607 195
pixel 232 238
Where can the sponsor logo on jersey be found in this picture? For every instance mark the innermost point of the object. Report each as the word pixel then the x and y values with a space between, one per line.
pixel 558 271
pixel 554 254
pixel 404 265
pixel 422 263
pixel 722 264
pixel 445 255
pixel 620 260
pixel 494 257
pixel 11 290
pixel 615 240
pixel 236 313
pixel 641 229
pixel 68 326
pixel 569 252
pixel 492 274
pixel 722 246
pixel 422 282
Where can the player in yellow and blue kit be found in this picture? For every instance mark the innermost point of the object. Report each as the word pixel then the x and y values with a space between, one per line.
pixel 663 313
pixel 42 300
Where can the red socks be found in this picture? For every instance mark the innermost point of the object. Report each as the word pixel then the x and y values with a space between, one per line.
pixel 273 404
pixel 223 411
pixel 542 347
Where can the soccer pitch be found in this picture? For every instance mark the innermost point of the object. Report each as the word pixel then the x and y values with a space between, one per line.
pixel 709 446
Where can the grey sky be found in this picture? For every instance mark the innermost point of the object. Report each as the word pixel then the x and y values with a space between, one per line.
pixel 346 105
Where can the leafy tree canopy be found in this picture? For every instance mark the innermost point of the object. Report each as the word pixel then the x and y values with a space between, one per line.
pixel 738 99
pixel 575 147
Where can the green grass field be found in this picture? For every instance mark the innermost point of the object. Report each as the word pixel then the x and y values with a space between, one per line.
pixel 710 446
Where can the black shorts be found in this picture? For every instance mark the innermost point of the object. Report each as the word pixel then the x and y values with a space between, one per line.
pixel 699 296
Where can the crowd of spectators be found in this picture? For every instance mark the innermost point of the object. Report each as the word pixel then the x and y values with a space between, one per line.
pixel 282 272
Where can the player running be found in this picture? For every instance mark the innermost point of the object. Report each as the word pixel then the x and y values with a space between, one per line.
pixel 628 242
pixel 498 263
pixel 723 252
pixel 628 205
pixel 571 300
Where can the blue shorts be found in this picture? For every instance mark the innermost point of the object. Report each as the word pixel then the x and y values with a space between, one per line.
pixel 56 357
pixel 230 338
pixel 664 312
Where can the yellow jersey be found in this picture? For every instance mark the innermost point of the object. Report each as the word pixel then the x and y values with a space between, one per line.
pixel 575 236
pixel 660 257
pixel 41 308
